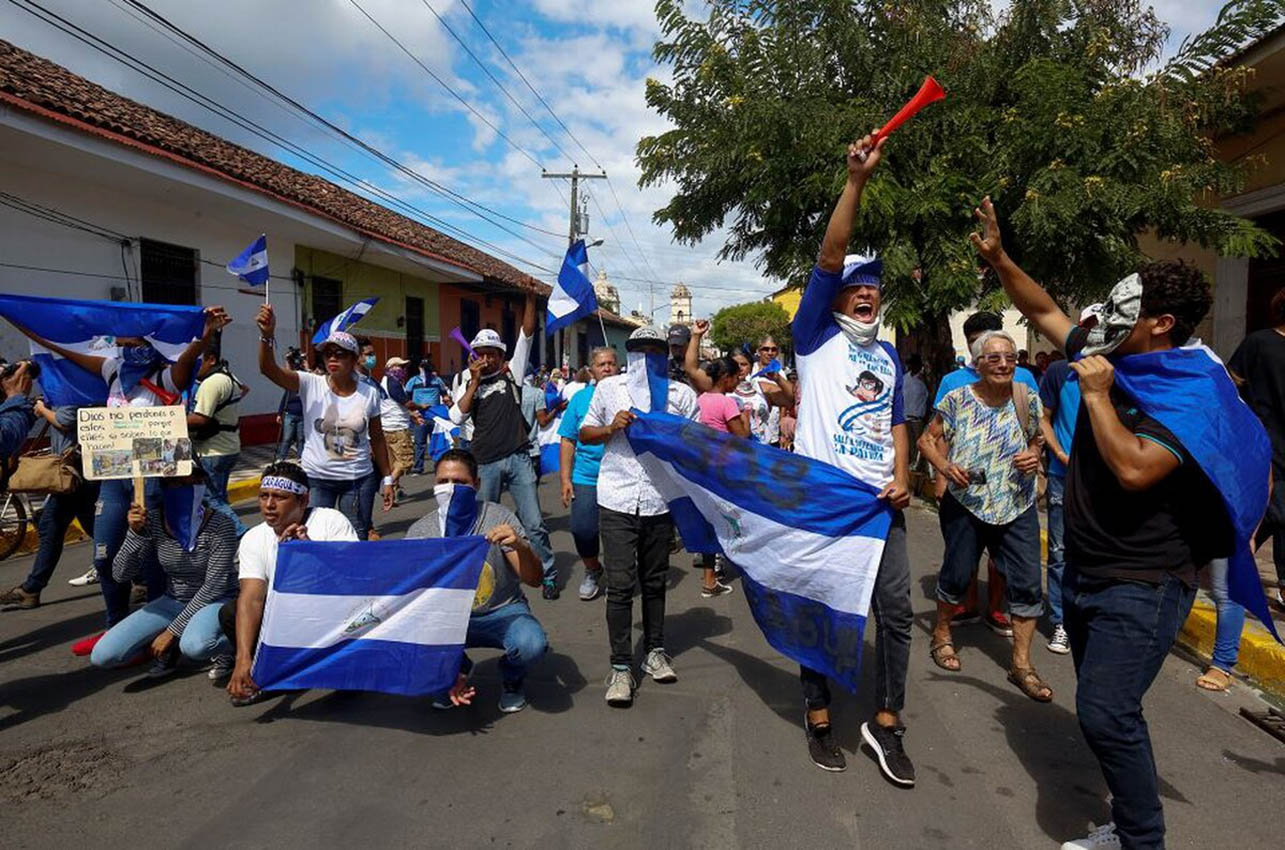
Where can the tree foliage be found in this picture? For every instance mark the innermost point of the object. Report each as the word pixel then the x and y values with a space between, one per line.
pixel 1050 109
pixel 741 323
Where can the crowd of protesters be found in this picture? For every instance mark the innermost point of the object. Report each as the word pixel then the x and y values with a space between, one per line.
pixel 1131 521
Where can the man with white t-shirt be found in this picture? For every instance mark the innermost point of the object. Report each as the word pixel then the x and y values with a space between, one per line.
pixel 851 416
pixel 283 503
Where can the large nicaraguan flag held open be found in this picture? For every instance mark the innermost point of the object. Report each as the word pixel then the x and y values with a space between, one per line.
pixel 350 316
pixel 807 536
pixel 385 615
pixel 91 327
pixel 1188 391
pixel 572 298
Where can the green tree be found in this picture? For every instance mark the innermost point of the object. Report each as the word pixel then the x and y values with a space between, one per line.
pixel 1058 109
pixel 740 323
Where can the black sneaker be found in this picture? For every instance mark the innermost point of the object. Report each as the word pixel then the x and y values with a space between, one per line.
pixel 821 746
pixel 886 743
pixel 550 591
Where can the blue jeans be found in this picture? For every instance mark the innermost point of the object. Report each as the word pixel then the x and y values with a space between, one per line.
pixel 218 468
pixel 514 629
pixel 200 641
pixel 584 520
pixel 1231 618
pixel 1121 632
pixel 111 520
pixel 60 509
pixel 291 434
pixel 516 472
pixel 1057 554
pixel 421 434
pixel 329 493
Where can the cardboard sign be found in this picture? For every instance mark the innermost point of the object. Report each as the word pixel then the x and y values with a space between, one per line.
pixel 131 442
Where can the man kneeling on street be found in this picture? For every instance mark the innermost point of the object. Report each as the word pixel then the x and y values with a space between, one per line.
pixel 283 503
pixel 501 617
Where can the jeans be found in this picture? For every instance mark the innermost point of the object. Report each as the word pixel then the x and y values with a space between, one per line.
pixel 516 472
pixel 584 520
pixel 421 433
pixel 329 493
pixel 894 617
pixel 60 509
pixel 1121 632
pixel 1057 554
pixel 1015 546
pixel 217 470
pixel 1231 618
pixel 291 434
pixel 635 552
pixel 110 523
pixel 200 641
pixel 514 629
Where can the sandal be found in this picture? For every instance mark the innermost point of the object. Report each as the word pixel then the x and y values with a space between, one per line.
pixel 1030 684
pixel 1214 679
pixel 934 652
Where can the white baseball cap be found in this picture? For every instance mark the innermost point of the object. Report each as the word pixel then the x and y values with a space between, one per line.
pixel 487 338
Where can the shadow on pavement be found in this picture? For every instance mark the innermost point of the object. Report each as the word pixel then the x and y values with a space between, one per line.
pixel 49 635
pixel 36 696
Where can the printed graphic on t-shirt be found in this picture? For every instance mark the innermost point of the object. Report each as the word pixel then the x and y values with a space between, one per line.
pixel 862 432
pixel 341 434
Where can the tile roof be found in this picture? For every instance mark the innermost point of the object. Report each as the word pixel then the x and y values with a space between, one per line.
pixel 37 85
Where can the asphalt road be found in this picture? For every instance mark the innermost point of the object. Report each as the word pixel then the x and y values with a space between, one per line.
pixel 715 760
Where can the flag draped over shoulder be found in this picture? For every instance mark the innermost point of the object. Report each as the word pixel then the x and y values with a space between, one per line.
pixel 572 297
pixel 341 322
pixel 91 327
pixel 1189 391
pixel 807 536
pixel 386 615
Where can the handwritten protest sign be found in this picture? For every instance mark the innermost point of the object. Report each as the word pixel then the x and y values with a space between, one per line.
pixel 130 442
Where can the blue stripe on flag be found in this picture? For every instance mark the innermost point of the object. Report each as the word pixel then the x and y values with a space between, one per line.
pixel 550 458
pixel 808 632
pixel 251 265
pixel 572 297
pixel 378 567
pixel 411 669
pixel 344 320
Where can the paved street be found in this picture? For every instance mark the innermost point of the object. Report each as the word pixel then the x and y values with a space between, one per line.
pixel 715 760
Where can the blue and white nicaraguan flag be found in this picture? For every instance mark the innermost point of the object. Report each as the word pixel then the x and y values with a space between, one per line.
pixel 251 265
pixel 572 298
pixel 807 536
pixel 547 437
pixel 444 433
pixel 385 615
pixel 1188 391
pixel 91 327
pixel 341 322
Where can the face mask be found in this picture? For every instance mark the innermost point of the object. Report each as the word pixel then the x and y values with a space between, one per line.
pixel 1116 318
pixel 183 512
pixel 456 509
pixel 398 373
pixel 136 363
pixel 858 333
pixel 369 362
pixel 648 381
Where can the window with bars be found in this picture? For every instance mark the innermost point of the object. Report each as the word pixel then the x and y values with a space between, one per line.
pixel 168 272
pixel 327 299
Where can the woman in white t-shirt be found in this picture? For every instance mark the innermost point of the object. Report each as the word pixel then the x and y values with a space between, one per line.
pixel 344 452
pixel 137 375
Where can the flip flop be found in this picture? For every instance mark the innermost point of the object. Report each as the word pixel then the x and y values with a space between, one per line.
pixel 1214 679
pixel 934 652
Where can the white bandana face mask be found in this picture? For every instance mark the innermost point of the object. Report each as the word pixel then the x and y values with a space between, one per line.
pixel 858 333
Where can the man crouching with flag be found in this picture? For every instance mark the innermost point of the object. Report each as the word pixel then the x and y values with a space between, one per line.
pixel 850 416
pixel 1168 470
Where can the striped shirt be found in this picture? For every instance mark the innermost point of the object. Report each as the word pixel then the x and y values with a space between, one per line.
pixel 199 577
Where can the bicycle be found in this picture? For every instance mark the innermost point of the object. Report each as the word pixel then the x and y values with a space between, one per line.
pixel 16 514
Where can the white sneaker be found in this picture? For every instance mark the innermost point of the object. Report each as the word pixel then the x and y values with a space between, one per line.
pixel 659 666
pixel 90 577
pixel 620 688
pixel 1059 643
pixel 1099 838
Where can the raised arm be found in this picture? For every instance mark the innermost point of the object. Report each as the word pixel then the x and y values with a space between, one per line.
pixel 691 358
pixel 522 348
pixel 862 160
pixel 88 362
pixel 1027 295
pixel 185 366
pixel 287 379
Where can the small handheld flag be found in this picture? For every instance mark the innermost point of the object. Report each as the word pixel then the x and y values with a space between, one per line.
pixel 251 265
pixel 341 322
pixel 572 297
pixel 929 92
pixel 769 369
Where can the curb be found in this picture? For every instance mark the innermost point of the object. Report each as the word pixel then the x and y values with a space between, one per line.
pixel 1261 658
pixel 244 490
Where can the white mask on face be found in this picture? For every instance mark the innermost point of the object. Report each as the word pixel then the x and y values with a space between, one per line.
pixel 858 333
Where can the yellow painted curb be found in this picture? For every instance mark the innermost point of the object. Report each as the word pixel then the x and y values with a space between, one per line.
pixel 1261 658
pixel 243 491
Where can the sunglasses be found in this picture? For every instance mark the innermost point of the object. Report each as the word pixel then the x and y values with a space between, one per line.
pixel 995 358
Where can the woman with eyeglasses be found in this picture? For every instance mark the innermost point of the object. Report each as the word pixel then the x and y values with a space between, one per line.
pixel 344 451
pixel 763 394
pixel 991 428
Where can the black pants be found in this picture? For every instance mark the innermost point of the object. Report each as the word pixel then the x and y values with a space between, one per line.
pixel 60 509
pixel 227 621
pixel 635 553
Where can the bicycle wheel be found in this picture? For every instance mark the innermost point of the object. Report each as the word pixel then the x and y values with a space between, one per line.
pixel 13 523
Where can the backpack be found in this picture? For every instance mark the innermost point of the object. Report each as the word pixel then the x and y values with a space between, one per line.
pixel 211 426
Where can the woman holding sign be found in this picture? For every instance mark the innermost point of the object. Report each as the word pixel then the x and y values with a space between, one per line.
pixel 344 451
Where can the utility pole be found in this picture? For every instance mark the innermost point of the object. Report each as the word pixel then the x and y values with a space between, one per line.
pixel 575 176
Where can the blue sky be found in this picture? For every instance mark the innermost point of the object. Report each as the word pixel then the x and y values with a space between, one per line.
pixel 589 61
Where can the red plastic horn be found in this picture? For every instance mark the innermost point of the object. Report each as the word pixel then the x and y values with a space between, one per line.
pixel 929 92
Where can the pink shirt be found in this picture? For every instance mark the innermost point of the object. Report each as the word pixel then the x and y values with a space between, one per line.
pixel 716 410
